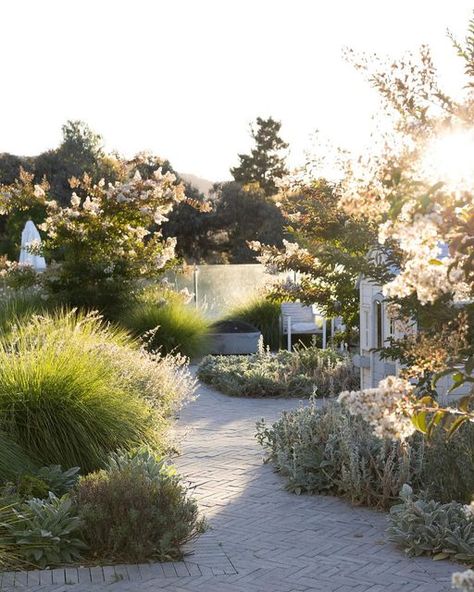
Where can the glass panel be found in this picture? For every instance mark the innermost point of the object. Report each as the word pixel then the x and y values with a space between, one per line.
pixel 222 287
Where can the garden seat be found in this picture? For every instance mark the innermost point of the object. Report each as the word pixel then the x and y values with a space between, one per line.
pixel 300 319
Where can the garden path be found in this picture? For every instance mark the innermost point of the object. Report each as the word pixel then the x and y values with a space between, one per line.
pixel 262 538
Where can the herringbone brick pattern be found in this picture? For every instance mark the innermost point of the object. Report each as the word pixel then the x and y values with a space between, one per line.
pixel 262 538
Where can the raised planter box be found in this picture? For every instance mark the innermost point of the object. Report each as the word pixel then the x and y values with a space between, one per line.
pixel 234 338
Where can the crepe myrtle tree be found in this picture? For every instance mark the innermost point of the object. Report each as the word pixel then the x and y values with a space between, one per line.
pixel 417 186
pixel 105 241
pixel 328 248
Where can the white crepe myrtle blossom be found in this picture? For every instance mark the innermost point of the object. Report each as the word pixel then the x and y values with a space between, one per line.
pixel 386 408
pixel 75 200
pixel 463 580
pixel 167 254
pixel 107 235
pixel 91 205
pixel 39 191
pixel 468 510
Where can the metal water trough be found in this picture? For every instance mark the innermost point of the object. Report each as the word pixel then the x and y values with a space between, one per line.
pixel 234 338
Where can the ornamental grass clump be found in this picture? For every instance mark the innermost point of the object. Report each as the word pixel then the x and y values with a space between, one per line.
pixel 68 398
pixel 14 460
pixel 264 314
pixel 18 306
pixel 167 324
pixel 136 509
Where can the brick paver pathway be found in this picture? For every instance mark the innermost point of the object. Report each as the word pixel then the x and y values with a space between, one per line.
pixel 262 538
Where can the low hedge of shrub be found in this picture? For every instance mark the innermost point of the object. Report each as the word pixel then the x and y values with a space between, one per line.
pixel 136 509
pixel 300 373
pixel 327 450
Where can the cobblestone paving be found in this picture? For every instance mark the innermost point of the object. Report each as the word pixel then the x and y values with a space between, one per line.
pixel 262 538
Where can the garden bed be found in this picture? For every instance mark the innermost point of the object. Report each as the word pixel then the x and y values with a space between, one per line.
pixel 328 451
pixel 302 373
pixel 75 392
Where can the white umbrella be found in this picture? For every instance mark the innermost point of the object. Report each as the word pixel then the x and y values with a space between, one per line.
pixel 30 236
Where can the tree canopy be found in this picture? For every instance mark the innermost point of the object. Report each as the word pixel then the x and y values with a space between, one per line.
pixel 265 164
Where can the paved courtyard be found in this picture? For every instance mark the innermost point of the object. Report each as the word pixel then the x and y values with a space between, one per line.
pixel 262 538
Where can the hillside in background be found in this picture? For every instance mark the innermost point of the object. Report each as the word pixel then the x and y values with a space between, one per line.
pixel 203 185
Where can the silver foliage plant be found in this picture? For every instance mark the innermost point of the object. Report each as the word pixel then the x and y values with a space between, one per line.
pixel 427 527
pixel 326 450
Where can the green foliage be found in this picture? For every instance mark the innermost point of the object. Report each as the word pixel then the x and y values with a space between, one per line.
pixel 167 324
pixel 47 532
pixel 192 224
pixel 263 314
pixel 283 374
pixel 422 527
pixel 243 215
pixel 136 509
pixel 333 252
pixel 17 306
pixel 14 460
pixel 58 481
pixel 31 486
pixel 38 483
pixel 60 397
pixel 448 468
pixel 326 450
pixel 265 164
pixel 466 52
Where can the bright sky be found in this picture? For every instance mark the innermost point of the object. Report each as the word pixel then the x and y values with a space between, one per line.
pixel 184 78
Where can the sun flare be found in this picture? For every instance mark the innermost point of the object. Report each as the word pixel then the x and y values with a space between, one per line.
pixel 450 158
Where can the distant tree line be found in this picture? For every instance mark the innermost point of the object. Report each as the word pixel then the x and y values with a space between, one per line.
pixel 214 228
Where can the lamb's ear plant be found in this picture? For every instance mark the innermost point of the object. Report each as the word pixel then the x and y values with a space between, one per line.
pixel 300 373
pixel 58 481
pixel 46 533
pixel 426 527
pixel 327 450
